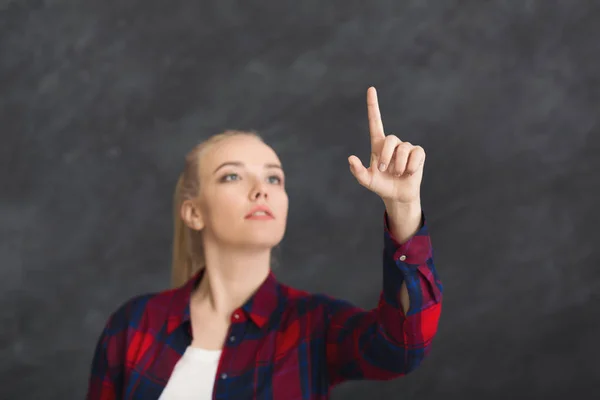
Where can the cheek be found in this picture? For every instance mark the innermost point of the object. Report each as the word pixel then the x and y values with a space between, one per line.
pixel 225 207
pixel 282 204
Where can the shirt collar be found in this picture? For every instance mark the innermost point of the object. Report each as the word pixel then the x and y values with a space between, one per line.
pixel 259 308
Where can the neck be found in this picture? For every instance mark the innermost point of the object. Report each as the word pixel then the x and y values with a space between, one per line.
pixel 231 277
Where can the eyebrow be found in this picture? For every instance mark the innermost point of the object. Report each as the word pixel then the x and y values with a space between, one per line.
pixel 241 164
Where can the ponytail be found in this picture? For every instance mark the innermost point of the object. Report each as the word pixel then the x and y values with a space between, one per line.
pixel 180 264
pixel 187 258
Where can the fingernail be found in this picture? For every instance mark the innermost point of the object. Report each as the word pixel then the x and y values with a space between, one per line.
pixel 382 167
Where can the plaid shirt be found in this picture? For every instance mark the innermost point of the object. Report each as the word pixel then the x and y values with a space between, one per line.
pixel 284 344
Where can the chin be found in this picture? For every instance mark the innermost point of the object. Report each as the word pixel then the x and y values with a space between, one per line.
pixel 256 237
pixel 265 242
pixel 262 241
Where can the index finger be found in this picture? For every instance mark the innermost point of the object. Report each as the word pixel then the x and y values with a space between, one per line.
pixel 375 123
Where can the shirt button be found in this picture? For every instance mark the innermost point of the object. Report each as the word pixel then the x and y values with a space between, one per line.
pixel 402 257
pixel 223 376
pixel 232 339
pixel 236 316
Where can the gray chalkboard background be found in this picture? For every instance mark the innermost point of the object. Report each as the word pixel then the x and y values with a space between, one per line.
pixel 100 100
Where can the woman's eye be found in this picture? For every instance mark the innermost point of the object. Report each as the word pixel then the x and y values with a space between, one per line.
pixel 275 179
pixel 229 177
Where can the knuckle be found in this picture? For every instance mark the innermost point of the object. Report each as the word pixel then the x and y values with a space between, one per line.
pixel 402 149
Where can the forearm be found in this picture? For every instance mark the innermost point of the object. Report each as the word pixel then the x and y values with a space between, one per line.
pixel 404 219
pixel 392 339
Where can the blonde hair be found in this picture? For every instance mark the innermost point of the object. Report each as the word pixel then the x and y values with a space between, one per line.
pixel 188 254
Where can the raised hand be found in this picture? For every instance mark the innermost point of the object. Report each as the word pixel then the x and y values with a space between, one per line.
pixel 396 168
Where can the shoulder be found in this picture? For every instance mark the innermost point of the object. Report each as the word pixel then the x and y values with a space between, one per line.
pixel 298 301
pixel 321 306
pixel 305 314
pixel 293 296
pixel 136 310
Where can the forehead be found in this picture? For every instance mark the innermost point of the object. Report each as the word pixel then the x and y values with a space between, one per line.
pixel 246 149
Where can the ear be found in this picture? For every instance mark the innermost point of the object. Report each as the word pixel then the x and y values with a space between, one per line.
pixel 191 215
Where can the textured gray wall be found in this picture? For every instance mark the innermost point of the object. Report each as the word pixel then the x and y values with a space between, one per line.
pixel 100 100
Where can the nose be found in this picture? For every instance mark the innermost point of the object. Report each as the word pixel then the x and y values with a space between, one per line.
pixel 258 191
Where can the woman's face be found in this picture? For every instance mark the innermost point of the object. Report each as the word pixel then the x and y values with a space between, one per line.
pixel 238 174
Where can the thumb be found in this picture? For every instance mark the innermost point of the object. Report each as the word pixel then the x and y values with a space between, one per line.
pixel 359 171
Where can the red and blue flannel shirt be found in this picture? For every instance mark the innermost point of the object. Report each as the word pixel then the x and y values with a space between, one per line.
pixel 283 343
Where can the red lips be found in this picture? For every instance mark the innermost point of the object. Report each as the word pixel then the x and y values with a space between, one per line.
pixel 263 208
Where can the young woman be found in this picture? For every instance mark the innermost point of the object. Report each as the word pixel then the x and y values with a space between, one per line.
pixel 229 329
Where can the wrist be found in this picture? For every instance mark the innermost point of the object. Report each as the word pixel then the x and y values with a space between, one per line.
pixel 403 210
pixel 404 220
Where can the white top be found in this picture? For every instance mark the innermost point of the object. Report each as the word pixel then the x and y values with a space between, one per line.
pixel 193 376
